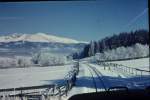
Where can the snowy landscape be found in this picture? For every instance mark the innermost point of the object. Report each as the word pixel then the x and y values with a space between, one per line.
pixel 58 50
pixel 50 65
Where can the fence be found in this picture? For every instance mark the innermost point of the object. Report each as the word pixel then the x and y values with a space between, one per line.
pixel 120 67
pixel 43 92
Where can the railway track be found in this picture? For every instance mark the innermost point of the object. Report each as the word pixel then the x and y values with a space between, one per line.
pixel 120 81
pixel 105 84
pixel 94 80
pixel 97 83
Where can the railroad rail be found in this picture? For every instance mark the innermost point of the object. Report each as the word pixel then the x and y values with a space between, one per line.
pixel 99 76
pixel 94 81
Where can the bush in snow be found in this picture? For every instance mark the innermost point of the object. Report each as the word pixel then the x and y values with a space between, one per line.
pixel 23 61
pixel 46 59
pixel 141 50
pixel 7 62
pixel 17 61
pixel 36 58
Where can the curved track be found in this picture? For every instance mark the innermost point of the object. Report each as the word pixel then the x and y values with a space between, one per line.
pixel 98 75
pixel 115 81
pixel 94 80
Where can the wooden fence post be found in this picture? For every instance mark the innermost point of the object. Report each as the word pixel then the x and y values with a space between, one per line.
pixel 136 72
pixel 67 87
pixel 132 71
pixel 141 73
pixel 59 93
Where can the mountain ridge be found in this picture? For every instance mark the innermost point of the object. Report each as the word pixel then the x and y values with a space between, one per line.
pixel 37 37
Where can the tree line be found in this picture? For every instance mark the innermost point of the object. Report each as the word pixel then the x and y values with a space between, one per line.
pixel 125 39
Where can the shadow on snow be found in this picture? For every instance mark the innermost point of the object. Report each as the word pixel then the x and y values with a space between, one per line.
pixel 133 82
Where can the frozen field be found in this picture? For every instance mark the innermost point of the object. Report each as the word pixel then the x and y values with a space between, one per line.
pixel 91 78
pixel 32 76
pixel 142 63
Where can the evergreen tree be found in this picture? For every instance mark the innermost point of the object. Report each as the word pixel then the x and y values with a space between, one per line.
pixel 123 39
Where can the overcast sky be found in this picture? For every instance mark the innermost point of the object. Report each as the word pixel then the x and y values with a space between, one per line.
pixel 80 20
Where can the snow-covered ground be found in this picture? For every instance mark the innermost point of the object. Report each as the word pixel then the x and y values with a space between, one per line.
pixel 32 76
pixel 91 78
pixel 118 78
pixel 142 63
pixel 111 78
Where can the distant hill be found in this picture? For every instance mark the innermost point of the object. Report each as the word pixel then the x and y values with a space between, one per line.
pixel 30 43
pixel 38 37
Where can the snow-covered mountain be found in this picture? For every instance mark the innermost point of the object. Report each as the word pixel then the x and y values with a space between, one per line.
pixel 38 37
pixel 26 44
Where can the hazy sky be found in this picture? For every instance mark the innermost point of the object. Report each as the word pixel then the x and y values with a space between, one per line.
pixel 80 20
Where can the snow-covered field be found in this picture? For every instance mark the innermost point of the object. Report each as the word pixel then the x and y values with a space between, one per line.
pixel 91 78
pixel 32 76
pixel 142 63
